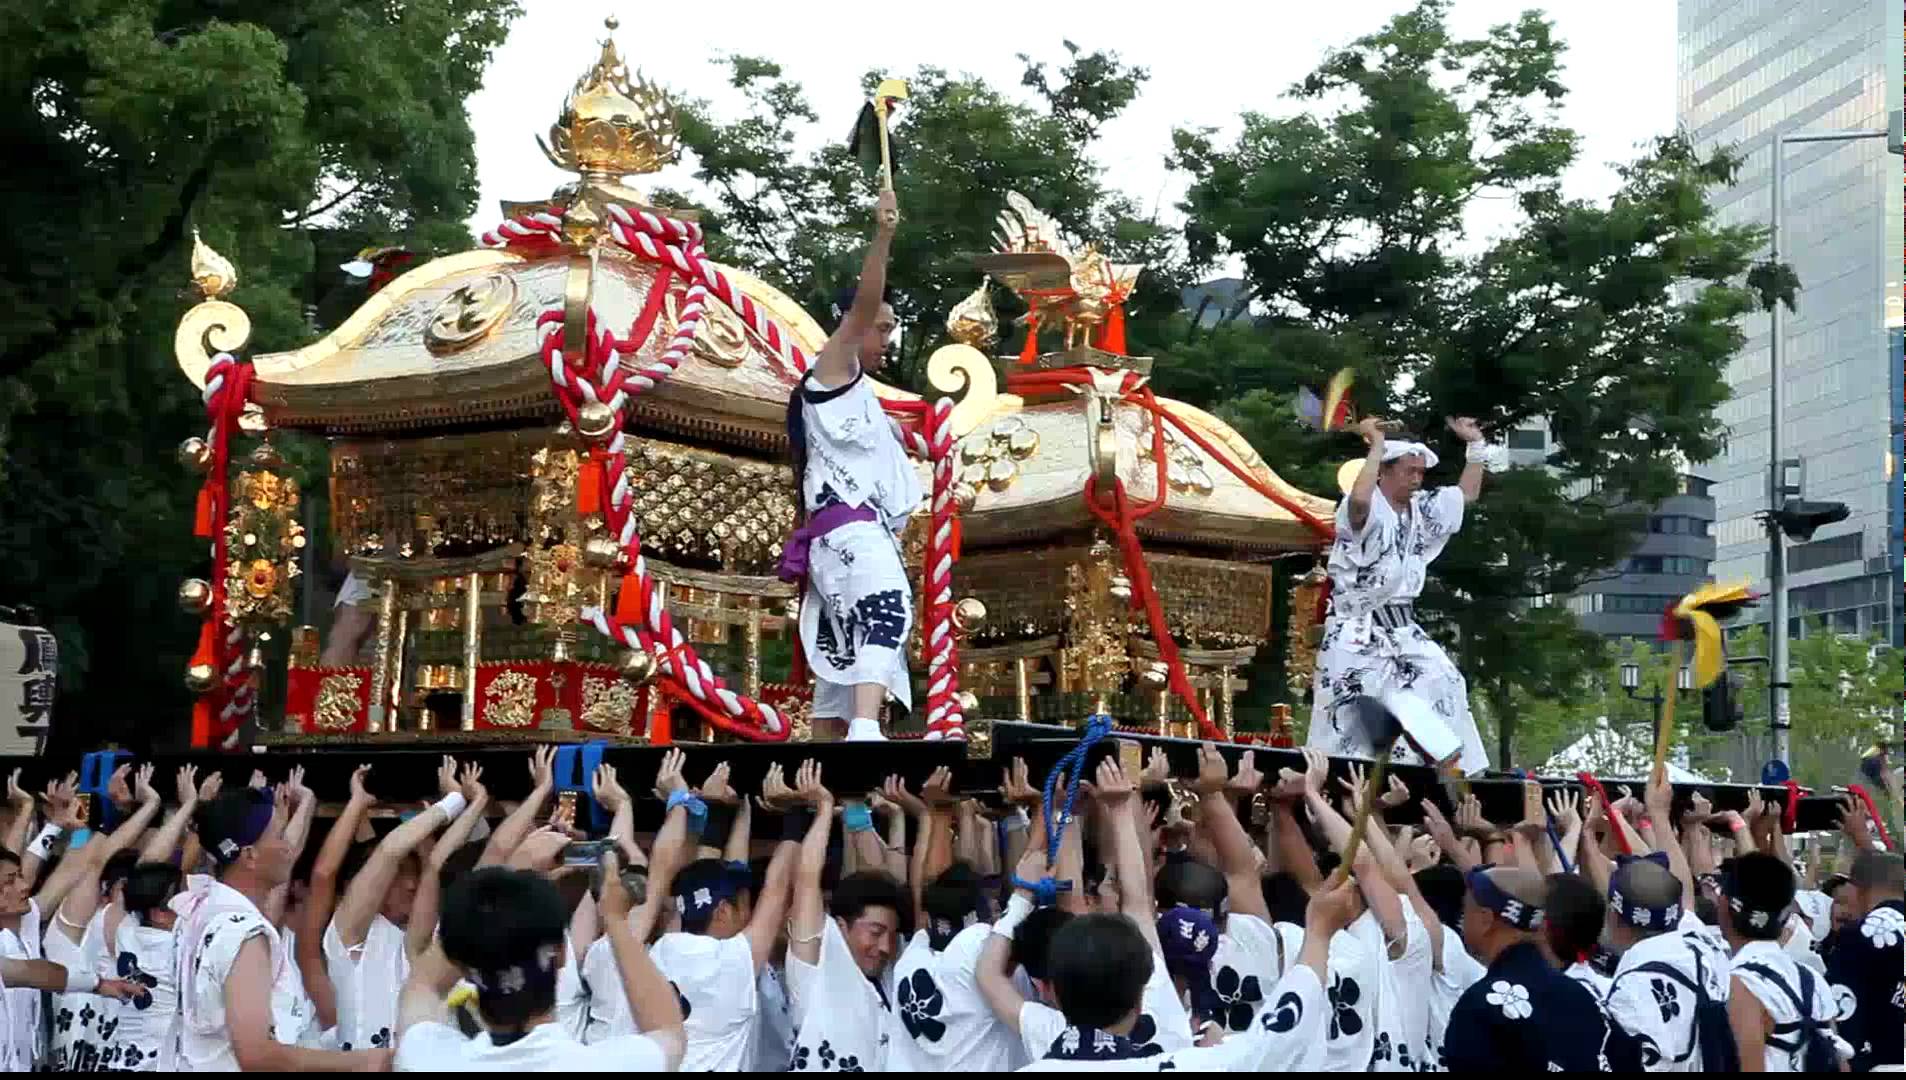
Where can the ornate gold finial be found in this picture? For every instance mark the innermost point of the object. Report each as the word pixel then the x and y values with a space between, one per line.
pixel 213 274
pixel 973 320
pixel 612 124
pixel 1073 287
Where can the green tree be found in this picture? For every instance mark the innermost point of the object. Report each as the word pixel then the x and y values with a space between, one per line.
pixel 132 123
pixel 962 143
pixel 1613 322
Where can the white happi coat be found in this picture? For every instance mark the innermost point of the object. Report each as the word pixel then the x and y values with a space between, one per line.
pixel 858 609
pixel 1383 564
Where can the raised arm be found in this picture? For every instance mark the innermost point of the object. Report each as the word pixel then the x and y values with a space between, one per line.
pixel 656 1007
pixel 771 907
pixel 676 841
pixel 932 826
pixel 322 898
pixel 839 359
pixel 1377 891
pixel 248 1018
pixel 367 888
pixel 1660 799
pixel 1446 838
pixel 83 899
pixel 59 806
pixel 424 909
pixel 993 974
pixel 806 911
pixel 20 805
pixel 1364 488
pixel 1467 430
pixel 1396 871
pixel 1595 864
pixel 518 823
pixel 65 815
pixel 1115 794
pixel 1219 819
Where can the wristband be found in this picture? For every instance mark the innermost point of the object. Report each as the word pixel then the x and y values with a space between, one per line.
pixel 857 818
pixel 1017 909
pixel 721 819
pixel 80 981
pixel 42 846
pixel 1018 821
pixel 451 805
pixel 1736 824
pixel 80 836
pixel 1488 455
pixel 697 809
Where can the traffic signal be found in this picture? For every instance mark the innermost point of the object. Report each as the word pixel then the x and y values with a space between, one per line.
pixel 1798 518
pixel 1720 704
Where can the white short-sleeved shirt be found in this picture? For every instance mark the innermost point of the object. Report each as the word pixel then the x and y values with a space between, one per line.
pixel 74 1043
pixel 572 994
pixel 715 980
pixel 1785 1050
pixel 1404 1002
pixel 21 1050
pixel 142 1038
pixel 949 1025
pixel 1657 1010
pixel 1162 1020
pixel 367 980
pixel 854 451
pixel 215 922
pixel 1287 1037
pixel 1592 981
pixel 843 1019
pixel 1460 972
pixel 1358 956
pixel 434 1047
pixel 1251 956
pixel 774 1028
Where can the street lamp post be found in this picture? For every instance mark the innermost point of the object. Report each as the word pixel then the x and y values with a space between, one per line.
pixel 1631 682
pixel 1777 684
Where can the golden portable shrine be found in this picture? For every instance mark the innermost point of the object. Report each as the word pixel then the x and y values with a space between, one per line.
pixel 557 464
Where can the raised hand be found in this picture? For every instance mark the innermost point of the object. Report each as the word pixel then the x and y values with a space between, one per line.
pixel 563 820
pixel 775 795
pixel 117 789
pixel 716 789
pixel 186 785
pixel 1700 809
pixel 16 795
pixel 1371 428
pixel 615 901
pixel 541 850
pixel 668 778
pixel 887 211
pixel 894 790
pixel 1213 773
pixel 1114 789
pixel 1157 769
pixel 808 787
pixel 470 782
pixel 1660 799
pixel 1853 821
pixel 1566 806
pixel 1018 787
pixel 542 768
pixel 61 803
pixel 211 786
pixel 142 788
pixel 446 776
pixel 1756 806
pixel 359 794
pixel 1465 428
pixel 609 791
pixel 1424 852
pixel 1247 780
pixel 1397 794
pixel 294 783
pixel 937 792
pixel 1316 770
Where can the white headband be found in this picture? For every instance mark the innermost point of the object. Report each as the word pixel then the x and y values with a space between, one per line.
pixel 1396 448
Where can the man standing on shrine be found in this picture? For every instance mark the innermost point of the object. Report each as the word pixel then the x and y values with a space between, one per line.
pixel 1389 529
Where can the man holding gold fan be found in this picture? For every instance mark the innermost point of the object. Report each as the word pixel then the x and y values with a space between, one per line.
pixel 1389 529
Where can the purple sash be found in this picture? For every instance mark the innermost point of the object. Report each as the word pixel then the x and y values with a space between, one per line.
pixel 825 520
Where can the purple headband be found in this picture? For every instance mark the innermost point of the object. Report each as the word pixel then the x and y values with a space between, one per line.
pixel 536 977
pixel 1517 913
pixel 1665 917
pixel 1189 939
pixel 247 829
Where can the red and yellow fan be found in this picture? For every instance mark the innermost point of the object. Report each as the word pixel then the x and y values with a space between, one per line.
pixel 1697 617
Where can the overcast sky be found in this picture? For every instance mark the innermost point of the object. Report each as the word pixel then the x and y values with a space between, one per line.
pixel 1217 60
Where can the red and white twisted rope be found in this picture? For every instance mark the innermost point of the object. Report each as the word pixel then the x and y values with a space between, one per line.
pixel 943 668
pixel 223 379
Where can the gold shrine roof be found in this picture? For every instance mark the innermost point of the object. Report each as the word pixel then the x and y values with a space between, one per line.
pixel 1028 464
pixel 456 341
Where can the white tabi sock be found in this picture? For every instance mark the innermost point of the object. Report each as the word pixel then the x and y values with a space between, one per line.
pixel 861 729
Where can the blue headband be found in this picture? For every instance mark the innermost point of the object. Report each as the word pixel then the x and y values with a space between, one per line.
pixel 249 827
pixel 537 977
pixel 1641 917
pixel 1757 917
pixel 1517 913
pixel 697 899
pixel 1188 938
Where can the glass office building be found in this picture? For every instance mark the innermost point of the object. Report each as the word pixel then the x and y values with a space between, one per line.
pixel 1749 68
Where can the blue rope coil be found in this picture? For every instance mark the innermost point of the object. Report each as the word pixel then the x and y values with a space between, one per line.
pixel 1045 891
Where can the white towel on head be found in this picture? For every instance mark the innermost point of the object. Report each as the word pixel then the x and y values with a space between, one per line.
pixel 1396 448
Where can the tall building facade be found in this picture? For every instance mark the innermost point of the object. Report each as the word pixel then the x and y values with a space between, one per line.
pixel 1749 69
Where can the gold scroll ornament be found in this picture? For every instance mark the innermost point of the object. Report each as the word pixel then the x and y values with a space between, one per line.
pixel 608 704
pixel 510 700
pixel 336 707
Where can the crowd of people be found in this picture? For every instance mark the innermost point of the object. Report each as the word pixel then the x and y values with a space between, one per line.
pixel 1133 921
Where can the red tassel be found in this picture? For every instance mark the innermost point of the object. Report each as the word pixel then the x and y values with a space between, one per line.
pixel 202 723
pixel 202 520
pixel 589 486
pixel 628 601
pixel 1029 353
pixel 1112 331
pixel 207 652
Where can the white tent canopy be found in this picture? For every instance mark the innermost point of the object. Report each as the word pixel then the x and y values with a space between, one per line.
pixel 1608 754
